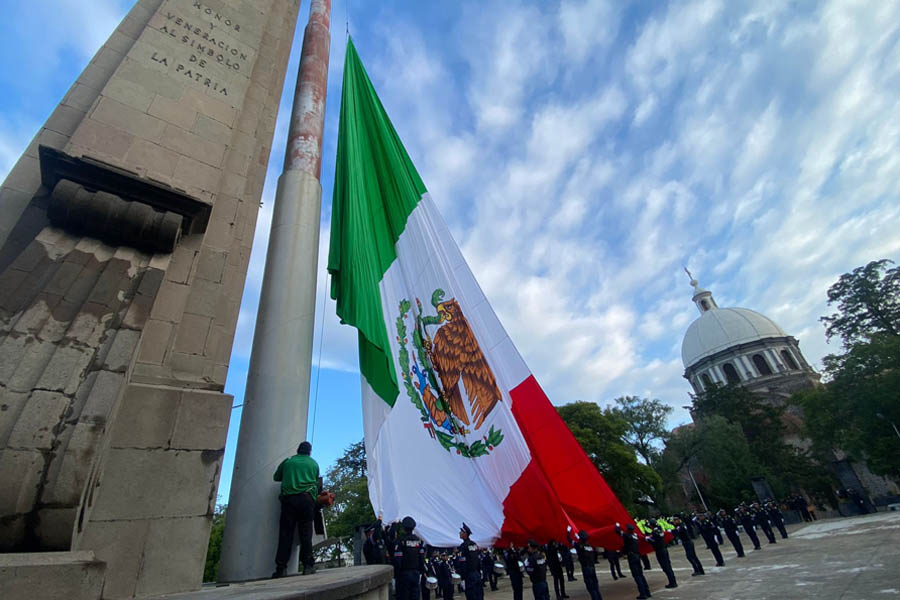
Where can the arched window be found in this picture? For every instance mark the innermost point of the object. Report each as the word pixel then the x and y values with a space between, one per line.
pixel 761 365
pixel 704 304
pixel 707 382
pixel 731 374
pixel 789 360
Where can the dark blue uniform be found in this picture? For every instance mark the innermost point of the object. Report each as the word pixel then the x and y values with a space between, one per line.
pixel 633 554
pixel 409 565
pixel 469 568
pixel 536 567
pixel 711 536
pixel 587 556
pixel 657 539
pixel 681 532
pixel 513 571
pixel 749 524
pixel 730 525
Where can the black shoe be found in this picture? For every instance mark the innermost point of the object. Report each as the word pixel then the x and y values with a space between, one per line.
pixel 720 564
pixel 279 573
pixel 672 586
pixel 309 570
pixel 642 597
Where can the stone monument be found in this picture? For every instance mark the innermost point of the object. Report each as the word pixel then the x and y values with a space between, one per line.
pixel 125 234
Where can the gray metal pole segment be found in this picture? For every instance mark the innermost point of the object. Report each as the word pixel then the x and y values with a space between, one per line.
pixel 276 400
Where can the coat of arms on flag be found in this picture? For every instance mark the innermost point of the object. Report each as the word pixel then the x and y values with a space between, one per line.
pixel 456 426
pixel 440 363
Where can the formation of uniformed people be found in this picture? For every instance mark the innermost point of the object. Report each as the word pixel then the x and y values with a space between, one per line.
pixel 420 570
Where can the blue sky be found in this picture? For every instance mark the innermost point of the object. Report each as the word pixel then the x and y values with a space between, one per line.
pixel 581 153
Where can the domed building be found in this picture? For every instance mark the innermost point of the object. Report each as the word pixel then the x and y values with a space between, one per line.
pixel 741 346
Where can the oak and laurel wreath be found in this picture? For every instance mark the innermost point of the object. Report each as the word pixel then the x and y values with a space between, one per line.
pixel 481 447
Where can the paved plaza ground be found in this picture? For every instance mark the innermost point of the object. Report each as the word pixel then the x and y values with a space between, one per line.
pixel 856 558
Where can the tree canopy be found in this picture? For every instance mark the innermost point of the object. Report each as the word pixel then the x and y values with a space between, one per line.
pixel 868 303
pixel 859 406
pixel 601 437
pixel 645 421
pixel 347 479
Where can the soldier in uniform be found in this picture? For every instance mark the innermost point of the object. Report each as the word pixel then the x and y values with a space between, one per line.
pixel 776 518
pixel 712 537
pixel 511 560
pixel 470 565
pixel 568 563
pixel 445 577
pixel 536 567
pixel 681 532
pixel 632 552
pixel 487 570
pixel 556 570
pixel 746 519
pixel 373 548
pixel 612 556
pixel 762 520
pixel 409 560
pixel 730 525
pixel 657 539
pixel 587 556
pixel 429 572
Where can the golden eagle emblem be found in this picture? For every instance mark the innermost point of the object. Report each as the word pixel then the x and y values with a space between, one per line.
pixel 447 376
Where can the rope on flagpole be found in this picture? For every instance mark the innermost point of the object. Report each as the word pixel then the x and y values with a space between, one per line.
pixel 312 436
pixel 347 17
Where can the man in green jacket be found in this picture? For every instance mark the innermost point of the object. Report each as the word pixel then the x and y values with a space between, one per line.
pixel 299 477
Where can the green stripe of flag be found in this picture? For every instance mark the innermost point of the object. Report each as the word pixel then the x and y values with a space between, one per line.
pixel 376 187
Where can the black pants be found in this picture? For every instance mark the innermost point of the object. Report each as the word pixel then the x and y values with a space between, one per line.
pixel 717 554
pixel 751 533
pixel 540 590
pixel 426 593
pixel 559 583
pixel 297 512
pixel 490 577
pixel 570 566
pixel 691 555
pixel 735 540
pixel 408 584
pixel 615 567
pixel 637 572
pixel 781 529
pixel 516 582
pixel 474 590
pixel 447 591
pixel 590 582
pixel 665 563
pixel 645 562
pixel 768 531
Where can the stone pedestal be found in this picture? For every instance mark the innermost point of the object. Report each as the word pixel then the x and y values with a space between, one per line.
pixel 125 234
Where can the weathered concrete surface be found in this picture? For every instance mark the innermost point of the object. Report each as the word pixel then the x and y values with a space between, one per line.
pixel 351 583
pixel 839 559
pixel 276 400
pixel 34 576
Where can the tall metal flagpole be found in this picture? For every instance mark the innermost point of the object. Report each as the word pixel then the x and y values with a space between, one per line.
pixel 276 400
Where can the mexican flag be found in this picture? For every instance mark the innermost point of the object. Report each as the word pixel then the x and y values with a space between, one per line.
pixel 456 427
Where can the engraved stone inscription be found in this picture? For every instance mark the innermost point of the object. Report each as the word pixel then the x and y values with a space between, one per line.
pixel 205 45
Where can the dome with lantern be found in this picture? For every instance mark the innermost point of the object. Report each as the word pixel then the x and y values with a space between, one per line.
pixel 735 345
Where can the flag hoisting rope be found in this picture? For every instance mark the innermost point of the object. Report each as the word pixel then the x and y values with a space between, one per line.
pixel 456 426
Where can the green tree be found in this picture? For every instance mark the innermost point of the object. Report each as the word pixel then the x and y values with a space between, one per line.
pixel 601 437
pixel 860 403
pixel 868 303
pixel 645 420
pixel 214 550
pixel 762 424
pixel 719 455
pixel 348 480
